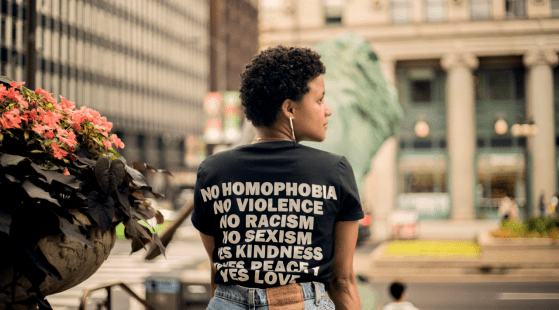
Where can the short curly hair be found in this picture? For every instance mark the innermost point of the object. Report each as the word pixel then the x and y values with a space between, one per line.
pixel 274 75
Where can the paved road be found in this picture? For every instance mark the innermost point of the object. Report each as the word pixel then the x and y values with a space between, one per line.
pixel 482 296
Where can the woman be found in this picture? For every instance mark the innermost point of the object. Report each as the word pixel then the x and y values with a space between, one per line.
pixel 279 220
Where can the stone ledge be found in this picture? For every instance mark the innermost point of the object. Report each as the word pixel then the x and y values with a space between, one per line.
pixel 495 254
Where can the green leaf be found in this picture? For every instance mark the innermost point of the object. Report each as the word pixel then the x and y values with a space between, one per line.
pixel 101 209
pixel 122 193
pixel 10 160
pixel 26 91
pixel 144 166
pixel 36 192
pixel 73 232
pixel 50 175
pixel 157 241
pixel 139 234
pixel 102 173
pixel 137 178
pixel 116 173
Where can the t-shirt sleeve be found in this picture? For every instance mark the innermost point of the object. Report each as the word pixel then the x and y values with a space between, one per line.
pixel 201 218
pixel 351 209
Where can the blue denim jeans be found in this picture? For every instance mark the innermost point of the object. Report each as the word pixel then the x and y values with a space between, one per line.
pixel 236 297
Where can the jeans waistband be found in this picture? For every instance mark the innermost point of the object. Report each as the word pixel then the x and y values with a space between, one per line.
pixel 257 297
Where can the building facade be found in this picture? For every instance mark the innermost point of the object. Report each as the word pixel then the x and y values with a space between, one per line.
pixel 473 76
pixel 144 64
pixel 234 33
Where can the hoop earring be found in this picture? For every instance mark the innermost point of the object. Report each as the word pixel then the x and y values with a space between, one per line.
pixel 292 131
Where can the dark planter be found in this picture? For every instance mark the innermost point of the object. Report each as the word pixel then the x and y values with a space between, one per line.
pixel 73 261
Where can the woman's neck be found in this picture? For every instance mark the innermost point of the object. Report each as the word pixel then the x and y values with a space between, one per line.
pixel 269 134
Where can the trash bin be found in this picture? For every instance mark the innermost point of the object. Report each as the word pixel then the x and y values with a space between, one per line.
pixel 163 292
pixel 186 290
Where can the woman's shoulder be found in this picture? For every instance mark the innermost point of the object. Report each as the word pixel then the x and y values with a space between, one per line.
pixel 322 154
pixel 220 158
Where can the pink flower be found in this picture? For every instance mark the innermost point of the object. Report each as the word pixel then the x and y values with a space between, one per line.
pixel 58 152
pixel 66 172
pixel 11 119
pixel 47 96
pixel 49 134
pixel 16 85
pixel 107 143
pixel 66 105
pixel 116 141
pixel 40 128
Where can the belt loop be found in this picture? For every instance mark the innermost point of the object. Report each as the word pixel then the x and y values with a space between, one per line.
pixel 251 301
pixel 317 292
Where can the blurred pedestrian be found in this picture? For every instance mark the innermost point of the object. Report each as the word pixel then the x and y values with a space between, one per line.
pixel 398 292
pixel 541 204
pixel 553 207
pixel 505 208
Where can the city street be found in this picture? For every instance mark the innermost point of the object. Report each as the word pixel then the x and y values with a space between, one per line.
pixel 187 253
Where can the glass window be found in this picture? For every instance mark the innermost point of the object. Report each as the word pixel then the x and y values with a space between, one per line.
pixel 421 91
pixel 499 175
pixel 421 85
pixel 401 12
pixel 515 8
pixel 435 10
pixel 499 84
pixel 481 9
pixel 422 181
pixel 333 10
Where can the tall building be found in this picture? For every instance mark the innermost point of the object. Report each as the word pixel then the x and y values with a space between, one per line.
pixel 473 76
pixel 144 64
pixel 234 41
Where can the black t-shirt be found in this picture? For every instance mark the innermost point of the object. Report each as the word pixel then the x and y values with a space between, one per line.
pixel 271 208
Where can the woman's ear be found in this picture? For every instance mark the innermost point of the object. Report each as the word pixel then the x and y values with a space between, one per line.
pixel 287 108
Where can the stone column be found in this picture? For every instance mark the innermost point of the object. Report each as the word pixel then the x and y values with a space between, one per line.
pixel 461 131
pixel 540 108
pixel 380 184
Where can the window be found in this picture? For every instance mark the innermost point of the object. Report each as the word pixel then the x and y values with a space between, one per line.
pixel 481 9
pixel 333 11
pixel 435 10
pixel 421 90
pixel 515 8
pixel 421 85
pixel 499 84
pixel 401 12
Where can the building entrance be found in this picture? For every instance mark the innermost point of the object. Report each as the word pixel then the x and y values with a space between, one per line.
pixel 499 175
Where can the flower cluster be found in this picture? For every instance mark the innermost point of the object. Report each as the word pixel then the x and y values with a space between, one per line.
pixel 56 129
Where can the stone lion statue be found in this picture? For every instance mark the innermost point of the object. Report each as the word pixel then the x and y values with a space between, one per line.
pixel 365 109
